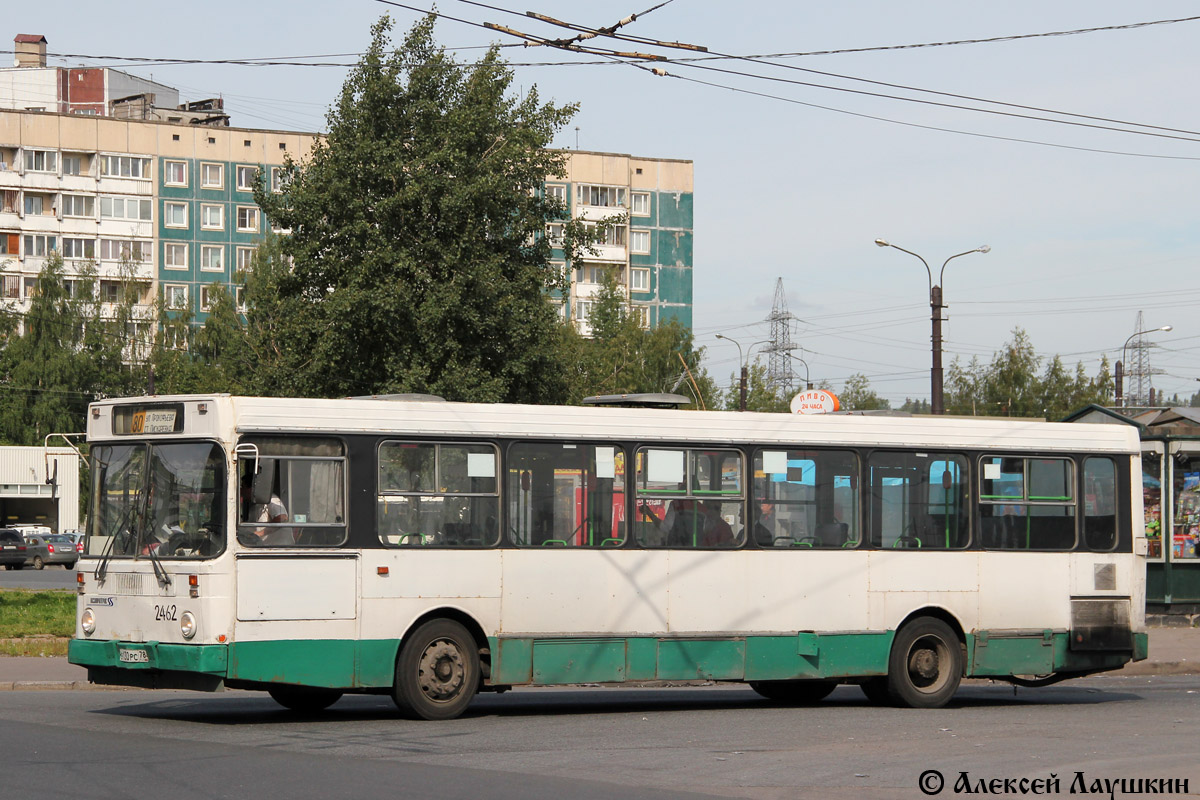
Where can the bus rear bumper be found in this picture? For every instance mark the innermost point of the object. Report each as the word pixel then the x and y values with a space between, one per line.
pixel 152 665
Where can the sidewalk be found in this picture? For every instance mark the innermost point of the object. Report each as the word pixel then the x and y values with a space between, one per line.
pixel 1173 651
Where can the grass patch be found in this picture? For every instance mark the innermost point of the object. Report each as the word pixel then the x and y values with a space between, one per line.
pixel 26 614
pixel 40 647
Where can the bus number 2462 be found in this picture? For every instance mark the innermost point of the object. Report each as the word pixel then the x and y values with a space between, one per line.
pixel 164 613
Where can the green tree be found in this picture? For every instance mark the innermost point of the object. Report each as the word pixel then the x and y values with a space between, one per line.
pixel 1011 385
pixel 761 395
pixel 622 357
pixel 59 356
pixel 857 395
pixel 418 256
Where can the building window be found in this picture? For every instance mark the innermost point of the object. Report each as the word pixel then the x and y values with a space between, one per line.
pixel 601 196
pixel 125 208
pixel 639 280
pixel 33 204
pixel 124 250
pixel 175 255
pixel 39 244
pixel 247 219
pixel 641 315
pixel 175 295
pixel 78 205
pixel 239 297
pixel 557 193
pixel 175 215
pixel 639 204
pixel 206 298
pixel 12 287
pixel 591 273
pixel 212 217
pixel 212 176
pixel 583 309
pixel 554 232
pixel 245 258
pixel 613 235
pixel 124 167
pixel 212 258
pixel 110 292
pixel 78 248
pixel 41 161
pixel 639 241
pixel 72 165
pixel 176 173
pixel 245 178
pixel 280 178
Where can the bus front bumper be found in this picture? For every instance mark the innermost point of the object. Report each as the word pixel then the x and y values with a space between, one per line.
pixel 152 665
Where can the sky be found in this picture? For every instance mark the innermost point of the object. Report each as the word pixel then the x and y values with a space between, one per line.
pixel 1087 226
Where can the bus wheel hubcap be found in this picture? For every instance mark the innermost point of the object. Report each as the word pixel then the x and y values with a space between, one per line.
pixel 442 672
pixel 923 664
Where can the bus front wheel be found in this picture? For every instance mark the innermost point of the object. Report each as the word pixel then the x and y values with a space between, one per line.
pixel 925 665
pixel 437 672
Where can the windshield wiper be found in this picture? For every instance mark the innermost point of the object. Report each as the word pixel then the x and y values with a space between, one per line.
pixel 160 571
pixel 123 525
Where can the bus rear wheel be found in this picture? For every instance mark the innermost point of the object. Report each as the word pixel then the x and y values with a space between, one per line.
pixel 794 692
pixel 304 700
pixel 925 665
pixel 437 672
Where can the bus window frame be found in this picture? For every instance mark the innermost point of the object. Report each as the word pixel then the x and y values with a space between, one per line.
pixel 255 438
pixel 499 465
pixel 508 539
pixel 968 512
pixel 688 494
pixel 1025 501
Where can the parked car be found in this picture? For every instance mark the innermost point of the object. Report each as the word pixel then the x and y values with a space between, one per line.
pixel 61 549
pixel 12 548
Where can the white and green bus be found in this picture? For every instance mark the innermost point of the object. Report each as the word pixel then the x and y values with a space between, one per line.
pixel 431 550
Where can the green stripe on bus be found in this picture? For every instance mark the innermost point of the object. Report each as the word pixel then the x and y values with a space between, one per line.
pixel 370 664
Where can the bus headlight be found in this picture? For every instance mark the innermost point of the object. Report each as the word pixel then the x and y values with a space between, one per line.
pixel 88 622
pixel 187 624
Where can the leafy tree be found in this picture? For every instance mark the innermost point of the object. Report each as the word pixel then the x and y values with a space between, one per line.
pixel 58 357
pixel 419 260
pixel 916 406
pixel 1014 384
pixel 622 357
pixel 761 395
pixel 857 395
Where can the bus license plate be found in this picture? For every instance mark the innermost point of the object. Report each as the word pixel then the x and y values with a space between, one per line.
pixel 135 657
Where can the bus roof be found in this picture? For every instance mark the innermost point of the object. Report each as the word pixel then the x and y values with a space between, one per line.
pixel 224 417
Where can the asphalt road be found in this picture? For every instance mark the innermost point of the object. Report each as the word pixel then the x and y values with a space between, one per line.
pixel 594 743
pixel 52 577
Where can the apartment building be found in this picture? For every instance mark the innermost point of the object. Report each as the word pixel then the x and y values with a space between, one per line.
pixel 651 253
pixel 165 206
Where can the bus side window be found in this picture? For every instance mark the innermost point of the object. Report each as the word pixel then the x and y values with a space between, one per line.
pixel 1099 504
pixel 437 494
pixel 563 494
pixel 690 498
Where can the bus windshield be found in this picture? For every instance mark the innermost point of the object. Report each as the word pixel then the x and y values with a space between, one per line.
pixel 160 500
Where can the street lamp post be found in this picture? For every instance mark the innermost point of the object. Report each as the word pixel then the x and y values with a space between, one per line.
pixel 936 402
pixel 807 374
pixel 1119 370
pixel 743 383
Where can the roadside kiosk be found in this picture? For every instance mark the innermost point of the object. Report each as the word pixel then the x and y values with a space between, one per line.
pixel 1171 500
